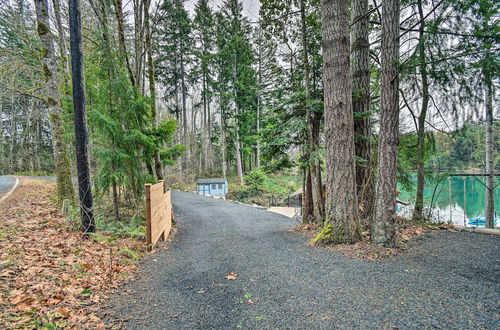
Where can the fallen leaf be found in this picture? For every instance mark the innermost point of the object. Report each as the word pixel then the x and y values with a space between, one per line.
pixel 63 311
pixel 94 319
pixel 24 307
pixel 231 276
pixel 17 299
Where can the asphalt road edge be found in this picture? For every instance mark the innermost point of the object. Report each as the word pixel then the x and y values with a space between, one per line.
pixel 11 190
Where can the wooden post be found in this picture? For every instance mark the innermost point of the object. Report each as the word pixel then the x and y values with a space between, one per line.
pixel 449 198
pixel 163 235
pixel 465 201
pixel 158 213
pixel 148 216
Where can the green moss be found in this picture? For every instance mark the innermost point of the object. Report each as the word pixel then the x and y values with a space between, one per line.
pixel 42 29
pixel 46 71
pixel 337 234
pixel 51 101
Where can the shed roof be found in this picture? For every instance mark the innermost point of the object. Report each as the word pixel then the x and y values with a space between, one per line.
pixel 211 180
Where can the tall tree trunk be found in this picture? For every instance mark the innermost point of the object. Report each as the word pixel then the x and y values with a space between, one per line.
pixel 184 106
pixel 490 168
pixel 79 102
pixel 211 155
pixel 312 143
pixel 419 201
pixel 360 71
pixel 53 100
pixel 116 201
pixel 237 142
pixel 384 221
pixel 341 222
pixel 259 98
pixel 307 199
pixel 239 164
pixel 205 142
pixel 223 142
pixel 151 82
pixel 121 38
pixel 138 43
pixel 62 40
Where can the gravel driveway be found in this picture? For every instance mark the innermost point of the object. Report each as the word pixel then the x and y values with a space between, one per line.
pixel 448 280
pixel 6 182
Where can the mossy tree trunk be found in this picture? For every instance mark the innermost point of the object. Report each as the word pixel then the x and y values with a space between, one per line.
pixel 53 101
pixel 341 222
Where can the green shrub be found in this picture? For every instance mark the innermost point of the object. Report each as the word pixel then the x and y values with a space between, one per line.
pixel 255 179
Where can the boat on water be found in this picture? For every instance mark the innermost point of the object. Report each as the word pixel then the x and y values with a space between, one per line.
pixel 479 221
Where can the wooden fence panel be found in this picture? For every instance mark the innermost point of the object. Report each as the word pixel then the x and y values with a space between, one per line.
pixel 158 213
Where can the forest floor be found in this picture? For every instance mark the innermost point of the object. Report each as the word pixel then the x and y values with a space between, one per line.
pixel 50 277
pixel 236 266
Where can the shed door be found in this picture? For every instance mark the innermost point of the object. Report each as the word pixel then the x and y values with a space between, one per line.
pixel 202 189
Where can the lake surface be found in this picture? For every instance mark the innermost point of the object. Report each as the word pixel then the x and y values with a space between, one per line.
pixel 450 202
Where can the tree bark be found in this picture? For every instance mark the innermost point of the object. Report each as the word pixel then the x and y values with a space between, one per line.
pixel 360 72
pixel 307 199
pixel 138 43
pixel 121 38
pixel 312 143
pixel 62 40
pixel 151 82
pixel 184 102
pixel 490 168
pixel 79 102
pixel 239 165
pixel 53 101
pixel 341 221
pixel 223 142
pixel 384 222
pixel 419 200
pixel 259 100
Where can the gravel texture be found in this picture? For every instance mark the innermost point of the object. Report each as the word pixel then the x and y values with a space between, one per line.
pixel 6 182
pixel 446 280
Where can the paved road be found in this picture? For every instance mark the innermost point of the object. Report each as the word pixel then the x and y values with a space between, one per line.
pixel 6 182
pixel 448 280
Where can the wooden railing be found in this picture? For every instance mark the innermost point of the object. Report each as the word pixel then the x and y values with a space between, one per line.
pixel 158 213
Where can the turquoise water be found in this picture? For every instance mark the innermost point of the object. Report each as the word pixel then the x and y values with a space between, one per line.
pixel 450 201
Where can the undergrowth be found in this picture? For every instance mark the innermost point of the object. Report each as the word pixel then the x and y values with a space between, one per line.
pixel 132 223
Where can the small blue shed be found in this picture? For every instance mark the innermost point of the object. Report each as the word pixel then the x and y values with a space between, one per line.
pixel 212 186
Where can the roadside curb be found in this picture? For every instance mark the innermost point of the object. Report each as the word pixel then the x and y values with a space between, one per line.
pixel 11 189
pixel 484 231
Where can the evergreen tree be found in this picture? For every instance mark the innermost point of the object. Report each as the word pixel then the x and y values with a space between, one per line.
pixel 174 54
pixel 237 82
pixel 203 72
